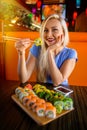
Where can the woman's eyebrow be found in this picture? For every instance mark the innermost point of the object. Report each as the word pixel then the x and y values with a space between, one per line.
pixel 52 27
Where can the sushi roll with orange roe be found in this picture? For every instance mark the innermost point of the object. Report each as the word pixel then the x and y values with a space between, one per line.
pixel 39 100
pixel 31 101
pixel 26 99
pixel 48 104
pixel 50 112
pixel 35 105
pixel 40 110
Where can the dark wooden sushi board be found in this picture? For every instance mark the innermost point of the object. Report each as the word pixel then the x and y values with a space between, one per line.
pixel 34 116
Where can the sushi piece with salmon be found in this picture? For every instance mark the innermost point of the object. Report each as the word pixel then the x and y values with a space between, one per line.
pixel 48 104
pixel 26 99
pixel 38 102
pixel 50 112
pixel 40 110
pixel 28 86
pixel 35 105
pixel 31 101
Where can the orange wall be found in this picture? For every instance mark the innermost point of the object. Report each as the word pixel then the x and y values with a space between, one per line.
pixel 78 41
pixel 80 73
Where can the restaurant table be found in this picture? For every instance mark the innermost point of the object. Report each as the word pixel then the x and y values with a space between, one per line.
pixel 12 117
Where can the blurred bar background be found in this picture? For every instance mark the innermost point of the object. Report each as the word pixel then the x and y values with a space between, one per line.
pixel 22 19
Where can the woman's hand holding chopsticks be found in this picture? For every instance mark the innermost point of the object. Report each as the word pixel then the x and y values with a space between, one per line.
pixel 22 44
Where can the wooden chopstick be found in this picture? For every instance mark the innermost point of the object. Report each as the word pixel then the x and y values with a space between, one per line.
pixel 16 38
pixel 12 38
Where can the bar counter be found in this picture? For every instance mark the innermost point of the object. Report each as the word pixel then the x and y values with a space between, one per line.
pixel 12 117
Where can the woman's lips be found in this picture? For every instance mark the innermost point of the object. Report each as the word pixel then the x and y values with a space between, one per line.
pixel 51 41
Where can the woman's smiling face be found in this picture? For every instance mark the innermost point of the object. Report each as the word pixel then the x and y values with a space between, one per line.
pixel 52 32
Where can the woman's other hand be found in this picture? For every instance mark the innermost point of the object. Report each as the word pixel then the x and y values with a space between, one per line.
pixel 56 48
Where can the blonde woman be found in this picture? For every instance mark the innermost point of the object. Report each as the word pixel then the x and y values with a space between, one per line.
pixel 53 59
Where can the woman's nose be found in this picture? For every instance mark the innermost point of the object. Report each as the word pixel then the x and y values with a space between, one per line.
pixel 49 33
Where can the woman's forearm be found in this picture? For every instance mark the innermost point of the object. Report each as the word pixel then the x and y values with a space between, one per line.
pixel 22 70
pixel 21 46
pixel 55 73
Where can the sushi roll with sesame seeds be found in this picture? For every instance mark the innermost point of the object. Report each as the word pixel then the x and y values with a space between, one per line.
pixel 68 103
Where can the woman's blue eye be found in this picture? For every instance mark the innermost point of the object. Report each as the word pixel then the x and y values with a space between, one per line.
pixel 55 30
pixel 52 30
pixel 45 30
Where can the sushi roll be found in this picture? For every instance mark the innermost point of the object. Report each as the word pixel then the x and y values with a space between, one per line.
pixel 48 104
pixel 31 92
pixel 39 100
pixel 31 101
pixel 50 112
pixel 22 95
pixel 28 86
pixel 26 99
pixel 40 110
pixel 59 106
pixel 18 90
pixel 35 105
pixel 68 103
pixel 26 89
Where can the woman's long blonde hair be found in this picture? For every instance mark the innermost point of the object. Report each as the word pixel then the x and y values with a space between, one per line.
pixel 43 68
